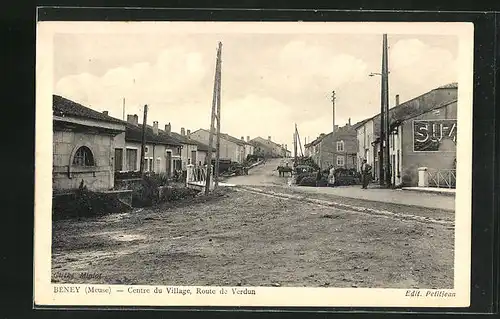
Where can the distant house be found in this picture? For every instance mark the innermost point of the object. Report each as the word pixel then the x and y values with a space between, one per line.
pixel 189 151
pixel 338 150
pixel 230 147
pixel 83 146
pixel 160 150
pixel 368 133
pixel 203 153
pixel 268 148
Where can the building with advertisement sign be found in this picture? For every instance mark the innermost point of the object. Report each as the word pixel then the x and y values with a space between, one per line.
pixel 425 141
pixel 437 102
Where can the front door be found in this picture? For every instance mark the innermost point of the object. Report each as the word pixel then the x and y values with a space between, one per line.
pixel 193 158
pixel 118 159
pixel 168 163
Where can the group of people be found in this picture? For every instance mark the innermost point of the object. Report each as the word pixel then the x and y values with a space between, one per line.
pixel 366 175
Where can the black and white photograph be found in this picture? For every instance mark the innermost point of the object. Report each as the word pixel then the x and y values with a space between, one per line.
pixel 253 164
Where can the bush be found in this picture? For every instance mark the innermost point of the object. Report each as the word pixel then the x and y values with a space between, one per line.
pixel 85 203
pixel 177 193
pixel 146 193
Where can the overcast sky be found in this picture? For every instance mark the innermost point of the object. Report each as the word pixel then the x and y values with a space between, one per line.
pixel 269 81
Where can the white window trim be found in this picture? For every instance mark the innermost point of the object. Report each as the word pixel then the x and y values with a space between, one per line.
pixel 136 160
pixel 338 144
pixel 343 160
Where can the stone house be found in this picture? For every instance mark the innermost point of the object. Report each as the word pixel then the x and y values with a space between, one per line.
pixel 83 146
pixel 424 140
pixel 160 150
pixel 368 130
pixel 231 148
pixel 338 150
pixel 189 151
pixel 268 148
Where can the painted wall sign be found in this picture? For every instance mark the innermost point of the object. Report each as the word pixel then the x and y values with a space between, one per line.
pixel 434 135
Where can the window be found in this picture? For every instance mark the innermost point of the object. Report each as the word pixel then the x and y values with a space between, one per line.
pixel 131 159
pixel 340 146
pixel 146 149
pixel 118 159
pixel 340 161
pixel 148 164
pixel 83 157
pixel 158 163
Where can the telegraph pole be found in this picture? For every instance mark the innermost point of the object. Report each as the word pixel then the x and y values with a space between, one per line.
pixel 217 140
pixel 143 138
pixel 333 127
pixel 214 116
pixel 385 102
pixel 124 109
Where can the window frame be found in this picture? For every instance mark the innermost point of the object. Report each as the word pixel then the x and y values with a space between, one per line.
pixel 343 160
pixel 340 143
pixel 86 150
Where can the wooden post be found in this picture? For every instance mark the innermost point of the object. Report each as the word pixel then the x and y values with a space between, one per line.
pixel 385 103
pixel 143 139
pixel 333 129
pixel 218 118
pixel 212 124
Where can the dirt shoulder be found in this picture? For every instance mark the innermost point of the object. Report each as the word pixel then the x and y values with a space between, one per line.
pixel 247 239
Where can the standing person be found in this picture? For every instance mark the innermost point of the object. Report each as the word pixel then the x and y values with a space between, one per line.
pixel 365 173
pixel 318 178
pixel 331 176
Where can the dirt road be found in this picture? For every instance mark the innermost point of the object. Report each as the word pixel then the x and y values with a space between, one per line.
pixel 262 175
pixel 252 239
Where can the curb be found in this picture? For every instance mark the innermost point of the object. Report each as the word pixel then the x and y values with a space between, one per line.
pixel 351 207
pixel 429 192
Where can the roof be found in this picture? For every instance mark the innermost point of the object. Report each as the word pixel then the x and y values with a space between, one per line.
pixel 64 107
pixel 181 138
pixel 228 137
pixel 204 147
pixel 414 113
pixel 396 111
pixel 342 130
pixel 134 133
pixel 268 141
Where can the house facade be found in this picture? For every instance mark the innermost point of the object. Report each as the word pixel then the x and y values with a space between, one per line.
pixel 160 151
pixel 338 150
pixel 368 133
pixel 425 140
pixel 268 148
pixel 230 147
pixel 83 146
pixel 189 150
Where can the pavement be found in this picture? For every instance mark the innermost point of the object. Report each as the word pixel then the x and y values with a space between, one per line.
pixel 267 175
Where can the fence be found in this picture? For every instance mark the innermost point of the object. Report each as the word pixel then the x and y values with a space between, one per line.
pixel 442 178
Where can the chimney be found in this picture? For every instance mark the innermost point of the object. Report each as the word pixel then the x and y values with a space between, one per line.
pixel 269 138
pixel 286 147
pixel 248 138
pixel 243 138
pixel 183 131
pixel 105 112
pixel 397 99
pixel 336 128
pixel 168 128
pixel 349 122
pixel 155 127
pixel 136 119
pixel 188 132
pixel 132 119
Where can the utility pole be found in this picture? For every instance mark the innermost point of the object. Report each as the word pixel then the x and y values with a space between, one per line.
pixel 214 116
pixel 295 143
pixel 143 138
pixel 385 103
pixel 123 109
pixel 217 140
pixel 333 128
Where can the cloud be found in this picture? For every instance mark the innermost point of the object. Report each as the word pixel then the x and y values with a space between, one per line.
pixel 417 64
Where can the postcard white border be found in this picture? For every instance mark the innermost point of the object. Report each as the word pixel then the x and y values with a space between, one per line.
pixel 265 296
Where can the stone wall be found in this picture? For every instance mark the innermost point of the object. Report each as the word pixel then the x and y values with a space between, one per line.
pixel 67 176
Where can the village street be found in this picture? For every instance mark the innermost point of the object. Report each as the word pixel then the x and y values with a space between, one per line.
pixel 262 233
